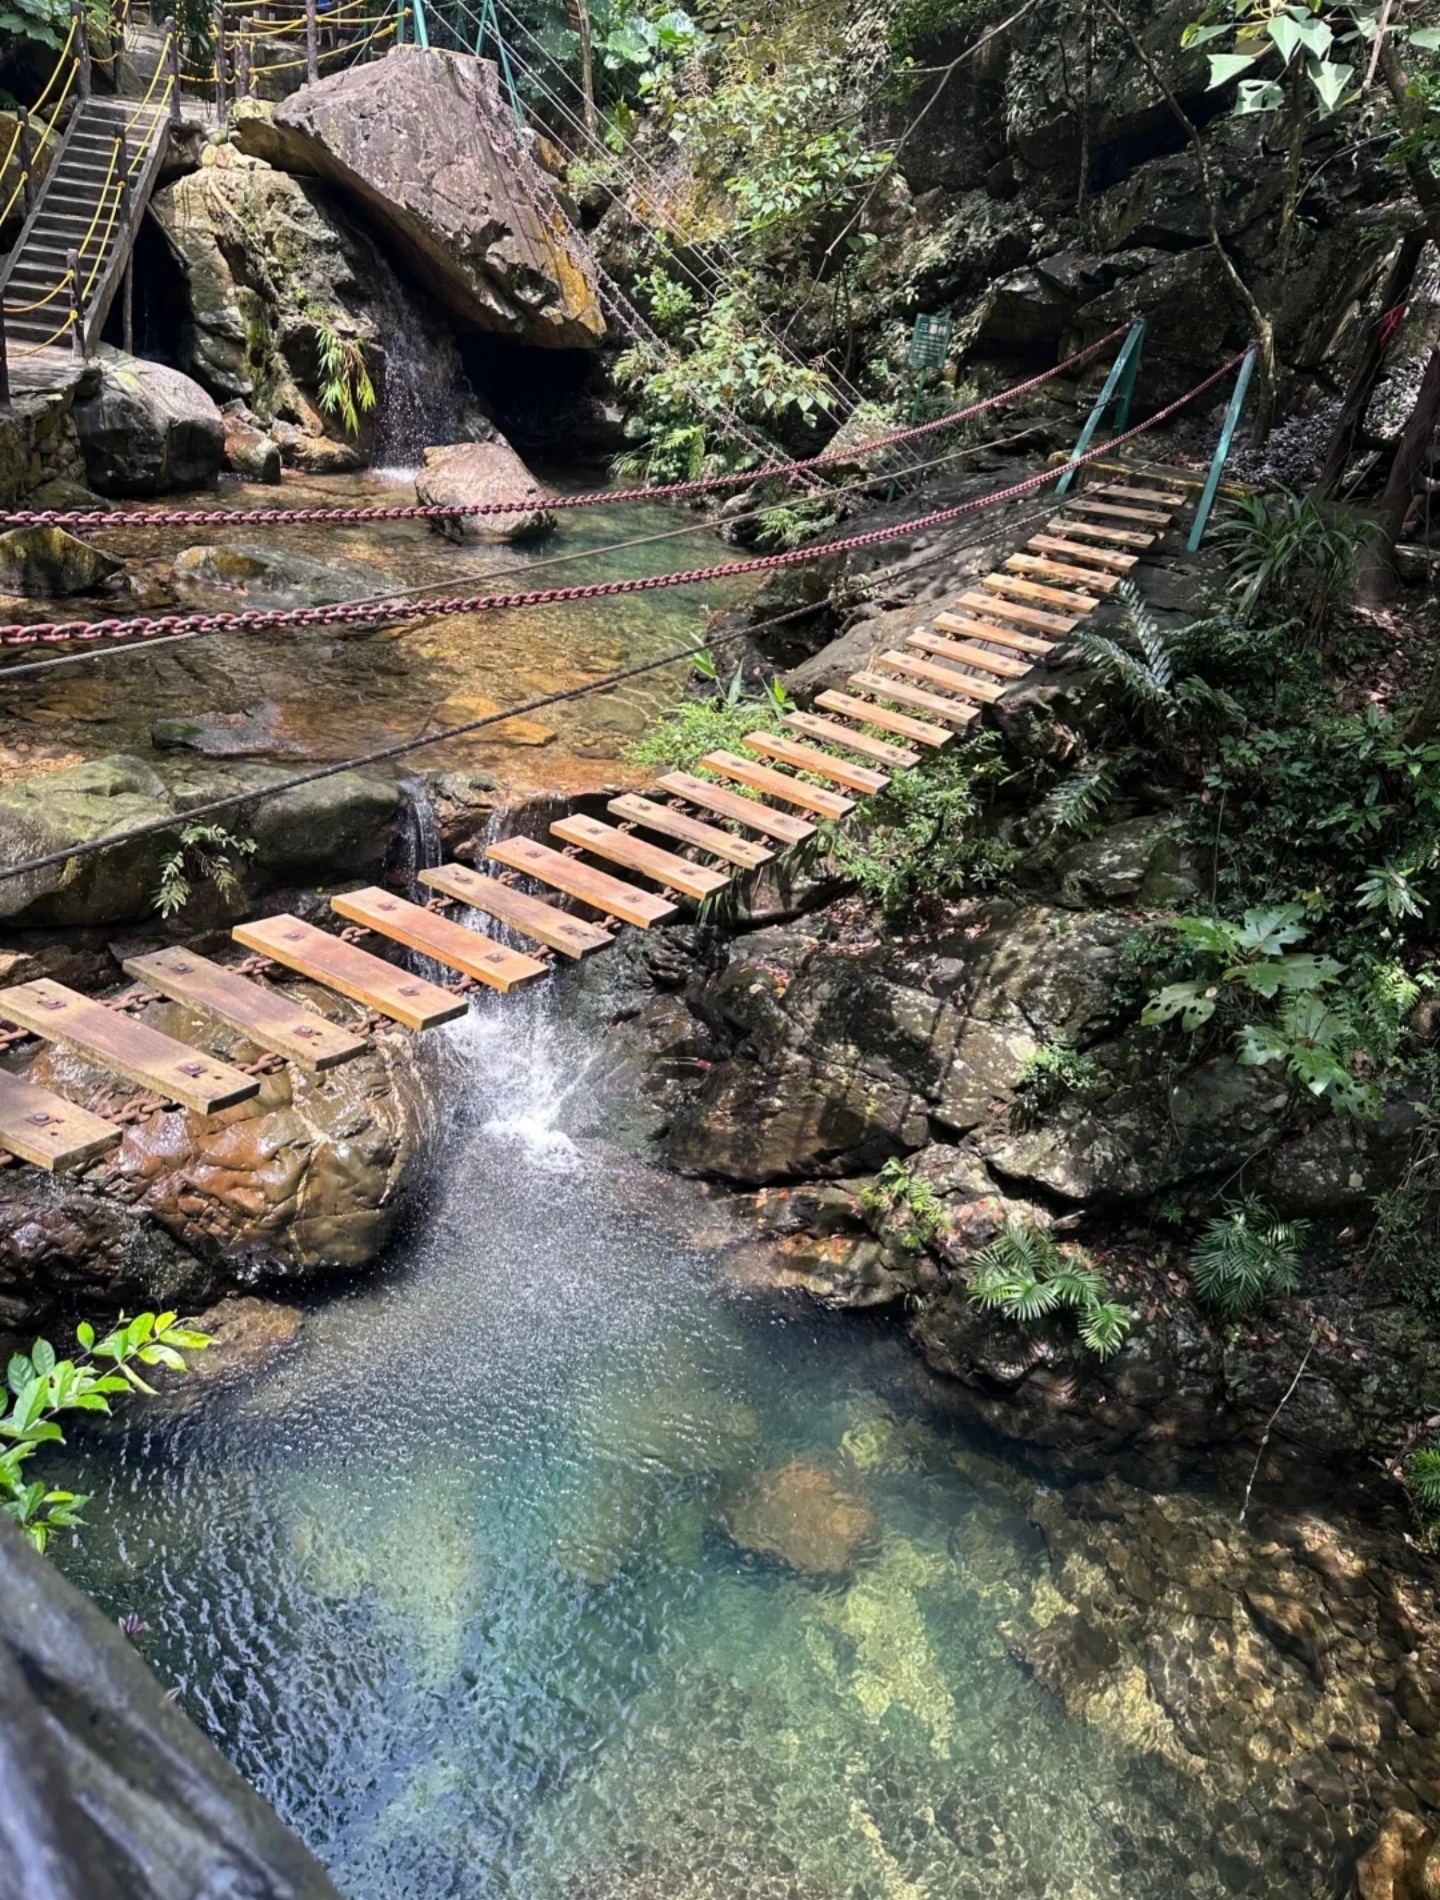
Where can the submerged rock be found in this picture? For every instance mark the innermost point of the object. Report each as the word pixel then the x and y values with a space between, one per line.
pixel 246 1334
pixel 274 576
pixel 465 474
pixel 51 563
pixel 148 430
pixel 222 735
pixel 803 1516
pixel 424 140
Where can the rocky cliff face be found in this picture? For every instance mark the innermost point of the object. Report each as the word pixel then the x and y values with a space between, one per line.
pixel 427 146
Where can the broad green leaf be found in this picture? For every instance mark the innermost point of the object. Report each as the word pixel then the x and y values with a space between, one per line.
pixel 1330 80
pixel 1227 66
pixel 1258 95
pixel 85 1333
pixel 30 1404
pixel 1193 1004
pixel 1268 931
pixel 1195 35
pixel 19 1373
pixel 42 1356
pixel 1427 38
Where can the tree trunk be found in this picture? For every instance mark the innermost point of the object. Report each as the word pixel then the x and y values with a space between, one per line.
pixel 587 64
pixel 1407 476
pixel 1361 392
pixel 1426 716
pixel 1414 116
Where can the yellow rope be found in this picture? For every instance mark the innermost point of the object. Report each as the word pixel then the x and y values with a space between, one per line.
pixel 60 59
pixel 24 309
pixel 45 135
pixel 104 243
pixel 160 66
pixel 329 52
pixel 49 342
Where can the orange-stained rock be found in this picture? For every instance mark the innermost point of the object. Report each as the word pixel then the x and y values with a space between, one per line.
pixel 466 474
pixel 1394 1868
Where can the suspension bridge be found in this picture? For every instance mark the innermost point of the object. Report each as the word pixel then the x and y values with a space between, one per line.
pixel 565 897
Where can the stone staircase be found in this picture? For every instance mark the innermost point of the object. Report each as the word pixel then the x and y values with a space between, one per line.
pixel 90 203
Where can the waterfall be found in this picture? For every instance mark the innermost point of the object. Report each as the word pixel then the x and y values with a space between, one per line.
pixel 425 395
pixel 419 846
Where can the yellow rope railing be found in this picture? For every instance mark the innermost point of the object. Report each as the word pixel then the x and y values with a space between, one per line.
pixel 161 65
pixel 48 344
pixel 24 309
pixel 329 52
pixel 48 130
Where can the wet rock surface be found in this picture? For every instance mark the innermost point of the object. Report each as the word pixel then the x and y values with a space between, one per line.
pixel 148 430
pixel 52 564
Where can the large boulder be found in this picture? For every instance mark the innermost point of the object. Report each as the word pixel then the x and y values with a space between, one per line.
pixel 52 564
pixel 268 258
pixel 464 474
pixel 339 825
pixel 148 430
pixel 426 143
pixel 93 1749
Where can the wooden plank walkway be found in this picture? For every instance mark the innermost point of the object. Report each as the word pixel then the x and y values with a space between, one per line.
pixel 273 1022
pixel 974 650
pixel 354 973
pixel 113 1040
pixel 611 896
pixel 49 1132
pixel 530 916
pixel 467 951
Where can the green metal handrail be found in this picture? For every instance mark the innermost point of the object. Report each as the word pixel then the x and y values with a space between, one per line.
pixel 1222 449
pixel 1119 386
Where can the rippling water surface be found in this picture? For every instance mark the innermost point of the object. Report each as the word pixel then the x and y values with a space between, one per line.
pixel 451 1584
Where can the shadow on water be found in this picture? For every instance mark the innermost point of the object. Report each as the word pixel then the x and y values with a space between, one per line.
pixel 451 1584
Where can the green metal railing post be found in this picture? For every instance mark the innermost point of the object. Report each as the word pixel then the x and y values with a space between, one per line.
pixel 422 31
pixel 1119 383
pixel 1222 449
pixel 490 21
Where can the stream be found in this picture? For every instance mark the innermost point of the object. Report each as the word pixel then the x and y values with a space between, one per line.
pixel 452 1584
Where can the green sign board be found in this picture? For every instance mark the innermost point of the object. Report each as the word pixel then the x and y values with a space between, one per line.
pixel 930 341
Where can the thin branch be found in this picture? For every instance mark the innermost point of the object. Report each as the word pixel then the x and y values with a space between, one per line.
pixel 1265 1435
pixel 1380 32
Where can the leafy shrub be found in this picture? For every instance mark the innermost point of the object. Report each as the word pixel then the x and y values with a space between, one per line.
pixel 1292 555
pixel 1025 1276
pixel 1238 964
pixel 41 1386
pixel 1422 1480
pixel 680 737
pixel 346 391
pixel 923 837
pixel 908 1203
pixel 1244 1255
pixel 1055 1064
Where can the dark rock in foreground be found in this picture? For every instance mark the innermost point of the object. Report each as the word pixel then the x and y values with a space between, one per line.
pixel 107 1791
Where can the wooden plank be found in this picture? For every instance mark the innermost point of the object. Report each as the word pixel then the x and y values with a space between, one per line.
pixel 983 691
pixel 805 758
pixel 531 916
pixel 678 824
pixel 115 1041
pixel 782 826
pixel 992 609
pixel 764 778
pixel 920 730
pixel 1155 497
pixel 1077 551
pixel 1019 588
pixel 609 895
pixel 353 972
pixel 833 733
pixel 276 1023
pixel 45 1129
pixel 1110 511
pixel 469 951
pixel 665 867
pixel 1098 531
pixel 965 655
pixel 974 629
pixel 1036 564
pixel 915 696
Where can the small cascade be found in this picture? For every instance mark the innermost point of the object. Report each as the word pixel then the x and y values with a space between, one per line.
pixel 419 846
pixel 425 397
